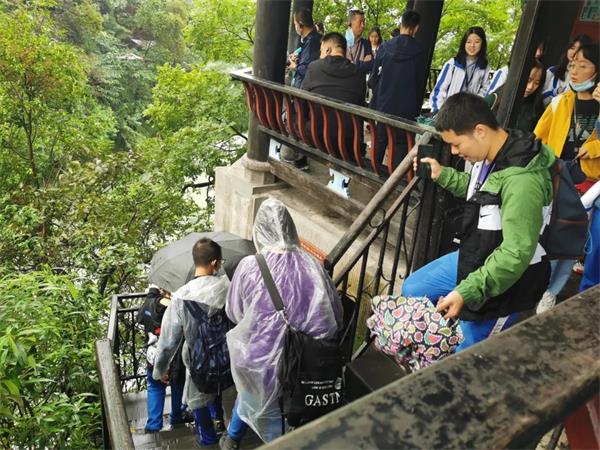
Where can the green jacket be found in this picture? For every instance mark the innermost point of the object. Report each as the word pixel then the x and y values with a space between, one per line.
pixel 522 181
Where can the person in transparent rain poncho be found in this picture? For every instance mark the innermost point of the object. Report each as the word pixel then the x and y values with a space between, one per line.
pixel 209 289
pixel 256 342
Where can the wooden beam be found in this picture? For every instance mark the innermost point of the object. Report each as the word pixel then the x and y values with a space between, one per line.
pixel 346 207
pixel 505 392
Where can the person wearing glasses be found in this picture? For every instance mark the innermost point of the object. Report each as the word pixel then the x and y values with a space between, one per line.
pixel 567 126
pixel 468 71
pixel 207 290
pixel 557 77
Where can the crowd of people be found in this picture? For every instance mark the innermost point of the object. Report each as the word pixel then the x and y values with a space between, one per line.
pixel 500 269
pixel 557 106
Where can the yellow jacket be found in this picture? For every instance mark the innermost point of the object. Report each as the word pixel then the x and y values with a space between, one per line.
pixel 553 128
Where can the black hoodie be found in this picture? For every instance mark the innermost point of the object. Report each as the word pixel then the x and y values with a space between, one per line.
pixel 336 77
pixel 398 73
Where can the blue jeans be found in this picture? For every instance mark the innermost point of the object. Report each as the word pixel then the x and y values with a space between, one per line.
pixel 591 271
pixel 271 429
pixel 155 401
pixel 437 279
pixel 560 273
pixel 203 421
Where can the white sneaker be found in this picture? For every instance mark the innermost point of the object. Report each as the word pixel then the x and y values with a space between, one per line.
pixel 578 268
pixel 548 301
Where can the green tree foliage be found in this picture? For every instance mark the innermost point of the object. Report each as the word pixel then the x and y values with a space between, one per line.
pixel 381 13
pixel 499 19
pixel 44 102
pixel 82 20
pixel 222 30
pixel 161 24
pixel 48 385
pixel 80 202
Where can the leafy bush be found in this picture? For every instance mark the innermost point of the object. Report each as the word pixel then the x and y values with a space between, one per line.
pixel 48 381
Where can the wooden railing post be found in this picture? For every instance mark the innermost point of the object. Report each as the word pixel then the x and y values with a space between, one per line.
pixel 112 397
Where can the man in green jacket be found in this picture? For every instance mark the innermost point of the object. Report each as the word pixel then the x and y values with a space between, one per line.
pixel 500 268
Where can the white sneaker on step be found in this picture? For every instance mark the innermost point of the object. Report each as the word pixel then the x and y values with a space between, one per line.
pixel 548 301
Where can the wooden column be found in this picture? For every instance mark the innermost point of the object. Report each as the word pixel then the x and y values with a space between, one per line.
pixel 551 20
pixel 431 14
pixel 272 22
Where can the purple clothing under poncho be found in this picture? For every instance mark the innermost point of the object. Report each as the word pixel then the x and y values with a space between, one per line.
pixel 256 343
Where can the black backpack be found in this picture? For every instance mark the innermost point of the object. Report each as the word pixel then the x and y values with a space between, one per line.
pixel 311 370
pixel 210 367
pixel 566 234
pixel 151 312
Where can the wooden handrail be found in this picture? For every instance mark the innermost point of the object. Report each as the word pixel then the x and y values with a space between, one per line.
pixel 112 321
pixel 246 76
pixel 112 397
pixel 505 392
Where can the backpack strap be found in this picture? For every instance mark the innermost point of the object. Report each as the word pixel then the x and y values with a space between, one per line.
pixel 279 307
pixel 273 291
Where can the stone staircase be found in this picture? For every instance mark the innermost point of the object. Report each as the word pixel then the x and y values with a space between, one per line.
pixel 181 437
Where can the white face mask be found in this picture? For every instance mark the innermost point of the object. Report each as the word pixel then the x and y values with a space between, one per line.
pixel 349 37
pixel 584 86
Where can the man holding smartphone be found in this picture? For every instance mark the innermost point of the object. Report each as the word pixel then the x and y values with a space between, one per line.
pixel 500 268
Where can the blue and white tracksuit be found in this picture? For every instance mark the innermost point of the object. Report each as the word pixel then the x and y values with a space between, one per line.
pixel 553 85
pixel 498 80
pixel 453 79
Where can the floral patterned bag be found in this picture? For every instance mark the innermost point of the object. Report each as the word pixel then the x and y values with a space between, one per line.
pixel 411 331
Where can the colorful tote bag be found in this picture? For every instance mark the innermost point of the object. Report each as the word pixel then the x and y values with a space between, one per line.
pixel 411 331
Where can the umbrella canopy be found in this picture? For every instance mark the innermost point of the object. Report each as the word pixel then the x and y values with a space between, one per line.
pixel 173 266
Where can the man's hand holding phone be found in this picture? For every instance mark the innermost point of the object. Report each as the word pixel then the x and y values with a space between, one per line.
pixel 425 164
pixel 434 166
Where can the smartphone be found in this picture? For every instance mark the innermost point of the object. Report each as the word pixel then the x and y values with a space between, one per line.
pixel 425 151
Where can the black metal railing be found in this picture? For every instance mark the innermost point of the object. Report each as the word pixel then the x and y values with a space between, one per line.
pixel 376 252
pixel 403 219
pixel 128 341
pixel 432 79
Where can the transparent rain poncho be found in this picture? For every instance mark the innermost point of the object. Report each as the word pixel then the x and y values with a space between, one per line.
pixel 211 292
pixel 256 342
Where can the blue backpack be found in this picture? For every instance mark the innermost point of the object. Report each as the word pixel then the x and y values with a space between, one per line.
pixel 209 356
pixel 566 234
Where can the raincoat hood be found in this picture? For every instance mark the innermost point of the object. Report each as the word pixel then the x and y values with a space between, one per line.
pixel 274 229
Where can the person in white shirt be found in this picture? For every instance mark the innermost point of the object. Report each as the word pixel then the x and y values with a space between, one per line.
pixel 468 71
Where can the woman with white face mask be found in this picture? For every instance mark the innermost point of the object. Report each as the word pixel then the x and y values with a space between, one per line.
pixel 568 123
pixel 567 126
pixel 557 77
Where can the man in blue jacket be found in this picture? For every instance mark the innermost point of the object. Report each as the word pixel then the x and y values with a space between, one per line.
pixel 398 75
pixel 310 43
